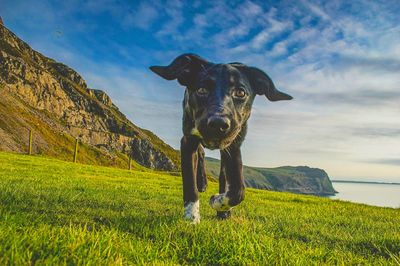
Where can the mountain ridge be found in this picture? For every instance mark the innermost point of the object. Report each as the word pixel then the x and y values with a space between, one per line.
pixel 296 179
pixel 32 82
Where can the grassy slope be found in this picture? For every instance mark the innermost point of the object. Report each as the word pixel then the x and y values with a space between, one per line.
pixel 58 212
pixel 47 140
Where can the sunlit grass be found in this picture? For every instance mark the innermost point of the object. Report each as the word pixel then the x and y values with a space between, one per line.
pixel 55 212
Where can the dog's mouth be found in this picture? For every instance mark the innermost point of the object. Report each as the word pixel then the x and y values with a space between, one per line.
pixel 213 143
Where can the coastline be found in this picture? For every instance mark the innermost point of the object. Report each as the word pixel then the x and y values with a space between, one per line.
pixel 365 182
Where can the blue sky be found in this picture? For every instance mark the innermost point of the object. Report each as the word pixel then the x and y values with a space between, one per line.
pixel 339 59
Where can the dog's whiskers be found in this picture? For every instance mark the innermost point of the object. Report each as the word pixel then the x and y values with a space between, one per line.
pixel 228 151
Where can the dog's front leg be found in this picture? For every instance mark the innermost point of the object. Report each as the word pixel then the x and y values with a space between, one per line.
pixel 222 189
pixel 232 170
pixel 201 170
pixel 189 146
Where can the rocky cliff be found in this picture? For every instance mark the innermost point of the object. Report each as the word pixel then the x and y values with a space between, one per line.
pixel 39 93
pixel 296 179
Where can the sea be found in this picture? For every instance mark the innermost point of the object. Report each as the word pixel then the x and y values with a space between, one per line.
pixel 376 194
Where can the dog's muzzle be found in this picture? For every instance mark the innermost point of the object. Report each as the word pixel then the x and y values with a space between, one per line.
pixel 217 132
pixel 218 125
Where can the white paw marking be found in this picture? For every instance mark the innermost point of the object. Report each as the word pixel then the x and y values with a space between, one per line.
pixel 220 202
pixel 192 212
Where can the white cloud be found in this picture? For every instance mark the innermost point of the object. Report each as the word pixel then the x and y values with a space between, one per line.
pixel 260 39
pixel 170 28
pixel 143 17
pixel 317 10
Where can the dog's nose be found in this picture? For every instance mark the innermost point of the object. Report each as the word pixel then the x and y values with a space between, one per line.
pixel 219 123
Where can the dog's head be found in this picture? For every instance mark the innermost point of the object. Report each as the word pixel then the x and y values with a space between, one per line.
pixel 219 97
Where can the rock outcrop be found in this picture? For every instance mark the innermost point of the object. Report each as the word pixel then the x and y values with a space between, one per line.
pixel 296 179
pixel 67 106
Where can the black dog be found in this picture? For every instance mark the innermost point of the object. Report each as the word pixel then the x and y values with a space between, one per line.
pixel 216 107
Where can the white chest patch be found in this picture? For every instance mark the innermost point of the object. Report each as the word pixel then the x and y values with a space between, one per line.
pixel 192 212
pixel 195 132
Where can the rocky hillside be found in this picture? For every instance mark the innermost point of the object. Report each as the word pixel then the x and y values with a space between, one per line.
pixel 296 179
pixel 54 100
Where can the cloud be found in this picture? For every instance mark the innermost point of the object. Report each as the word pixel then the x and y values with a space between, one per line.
pixel 237 22
pixel 143 17
pixel 389 161
pixel 376 64
pixel 376 132
pixel 270 28
pixel 366 98
pixel 316 10
pixel 170 28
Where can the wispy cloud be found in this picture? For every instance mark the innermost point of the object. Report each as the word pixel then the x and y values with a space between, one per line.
pixel 390 161
pixel 317 10
pixel 170 28
pixel 143 17
pixel 376 132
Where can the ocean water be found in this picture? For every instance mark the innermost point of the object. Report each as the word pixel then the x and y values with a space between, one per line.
pixel 384 195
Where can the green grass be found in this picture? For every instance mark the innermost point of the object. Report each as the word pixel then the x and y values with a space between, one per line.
pixel 55 212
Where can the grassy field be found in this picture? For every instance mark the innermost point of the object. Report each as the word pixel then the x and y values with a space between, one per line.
pixel 55 212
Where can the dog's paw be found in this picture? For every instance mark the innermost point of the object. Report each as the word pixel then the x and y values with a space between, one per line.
pixel 223 215
pixel 201 186
pixel 219 202
pixel 192 212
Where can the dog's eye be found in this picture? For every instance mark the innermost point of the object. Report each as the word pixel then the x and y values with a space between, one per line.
pixel 202 91
pixel 239 93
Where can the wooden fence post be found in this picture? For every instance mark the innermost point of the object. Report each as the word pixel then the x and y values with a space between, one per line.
pixel 130 162
pixel 30 142
pixel 76 149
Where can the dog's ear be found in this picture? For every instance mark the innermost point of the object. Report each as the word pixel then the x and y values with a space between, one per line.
pixel 261 83
pixel 184 68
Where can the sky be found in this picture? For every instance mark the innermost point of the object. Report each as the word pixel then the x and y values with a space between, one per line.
pixel 340 60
